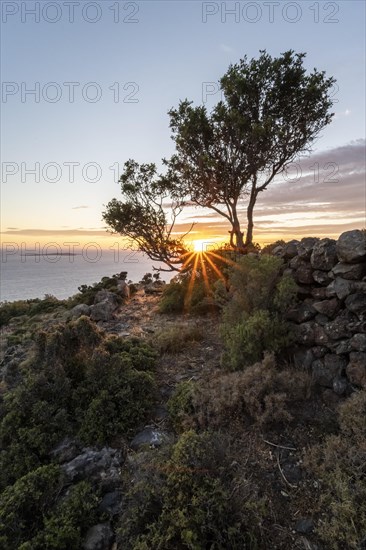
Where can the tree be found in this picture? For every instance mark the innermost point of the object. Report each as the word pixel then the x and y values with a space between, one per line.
pixel 271 112
pixel 142 217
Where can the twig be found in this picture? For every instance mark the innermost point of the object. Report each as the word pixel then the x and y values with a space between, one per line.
pixel 280 446
pixel 283 475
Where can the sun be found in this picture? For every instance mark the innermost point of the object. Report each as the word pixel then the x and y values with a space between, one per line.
pixel 198 245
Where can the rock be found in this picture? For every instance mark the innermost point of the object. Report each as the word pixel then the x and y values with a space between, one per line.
pixel 340 288
pixel 324 255
pixel 343 347
pixel 321 277
pixel 351 246
pixel 305 333
pixel 149 436
pixel 97 465
pixel 290 250
pixel 356 369
pixel 320 336
pixel 356 303
pixel 278 251
pixel 111 503
pixel 327 307
pixel 301 313
pixel 79 310
pixel 305 247
pixel 326 370
pixel 319 351
pixel 106 296
pixel 66 450
pixel 319 293
pixel 304 274
pixel 341 385
pixel 123 289
pixel 102 311
pixel 337 329
pixel 321 320
pixel 98 537
pixel 353 272
pixel 304 526
pixel 358 342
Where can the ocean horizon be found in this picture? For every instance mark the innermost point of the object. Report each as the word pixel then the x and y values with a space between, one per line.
pixel 33 274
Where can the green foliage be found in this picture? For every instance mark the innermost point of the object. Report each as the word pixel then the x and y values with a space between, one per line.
pixel 192 508
pixel 270 110
pixel 78 383
pixel 339 462
pixel 87 292
pixel 252 319
pixel 246 341
pixel 30 520
pixel 10 310
pixel 180 405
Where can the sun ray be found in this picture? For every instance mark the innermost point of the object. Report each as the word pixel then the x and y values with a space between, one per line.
pixel 226 260
pixel 216 269
pixel 188 297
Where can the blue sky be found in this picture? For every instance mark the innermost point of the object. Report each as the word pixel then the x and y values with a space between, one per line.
pixel 164 56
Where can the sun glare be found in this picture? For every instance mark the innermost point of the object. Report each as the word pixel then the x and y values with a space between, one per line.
pixel 198 246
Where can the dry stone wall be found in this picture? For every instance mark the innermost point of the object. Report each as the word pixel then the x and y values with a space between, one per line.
pixel 330 318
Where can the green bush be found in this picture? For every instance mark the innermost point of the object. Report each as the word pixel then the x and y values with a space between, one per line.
pixel 10 310
pixel 339 463
pixel 180 405
pixel 77 383
pixel 247 341
pixel 253 317
pixel 29 519
pixel 190 504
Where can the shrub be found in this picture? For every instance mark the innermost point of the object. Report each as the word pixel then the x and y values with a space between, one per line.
pixel 339 462
pixel 247 341
pixel 252 318
pixel 261 393
pixel 180 406
pixel 10 310
pixel 195 510
pixel 77 383
pixel 176 338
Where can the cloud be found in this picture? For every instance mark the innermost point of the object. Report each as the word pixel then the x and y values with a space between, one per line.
pixel 80 207
pixel 34 232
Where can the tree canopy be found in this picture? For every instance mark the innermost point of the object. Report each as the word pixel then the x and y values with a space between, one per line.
pixel 271 111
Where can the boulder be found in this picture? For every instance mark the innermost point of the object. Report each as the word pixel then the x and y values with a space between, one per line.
pixel 106 296
pixel 352 272
pixel 324 254
pixel 358 342
pixel 327 307
pixel 290 250
pixel 340 288
pixel 98 537
pixel 123 289
pixel 303 358
pixel 304 274
pixel 102 311
pixel 111 503
pixel 304 526
pixel 351 246
pixel 356 369
pixel 305 247
pixel 328 369
pixel 95 464
pixel 356 303
pixel 305 333
pixel 66 450
pixel 149 436
pixel 337 329
pixel 321 277
pixel 301 313
pixel 79 310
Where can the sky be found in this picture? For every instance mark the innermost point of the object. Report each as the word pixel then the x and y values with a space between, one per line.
pixel 87 86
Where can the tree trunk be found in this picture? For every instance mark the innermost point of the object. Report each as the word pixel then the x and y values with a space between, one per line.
pixel 236 230
pixel 250 209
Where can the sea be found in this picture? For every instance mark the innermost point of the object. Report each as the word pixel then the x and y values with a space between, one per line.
pixel 33 275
